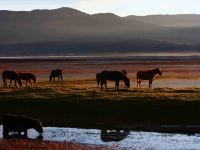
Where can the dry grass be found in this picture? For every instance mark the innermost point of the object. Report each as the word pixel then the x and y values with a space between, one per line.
pixel 88 89
pixel 18 144
pixel 80 102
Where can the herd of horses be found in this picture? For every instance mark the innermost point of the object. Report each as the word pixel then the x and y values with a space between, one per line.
pixel 28 77
pixel 102 78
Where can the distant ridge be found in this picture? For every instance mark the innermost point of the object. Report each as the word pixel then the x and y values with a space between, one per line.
pixel 67 30
pixel 181 20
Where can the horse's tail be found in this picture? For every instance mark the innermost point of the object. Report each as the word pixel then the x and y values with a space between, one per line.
pixel 50 77
pixel 138 78
pixel 61 75
pixel 138 75
pixel 98 78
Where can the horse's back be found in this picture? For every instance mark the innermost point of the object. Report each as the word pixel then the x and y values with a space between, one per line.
pixel 31 75
pixel 16 122
pixel 8 74
pixel 111 75
pixel 56 72
pixel 11 122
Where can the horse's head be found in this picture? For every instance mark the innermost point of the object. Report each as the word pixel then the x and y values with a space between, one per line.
pixel 158 71
pixel 37 125
pixel 127 82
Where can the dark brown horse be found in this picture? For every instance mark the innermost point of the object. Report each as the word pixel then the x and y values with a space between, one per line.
pixel 28 77
pixel 19 124
pixel 147 75
pixel 56 73
pixel 11 75
pixel 116 76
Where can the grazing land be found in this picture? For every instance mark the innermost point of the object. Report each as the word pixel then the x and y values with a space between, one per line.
pixel 78 101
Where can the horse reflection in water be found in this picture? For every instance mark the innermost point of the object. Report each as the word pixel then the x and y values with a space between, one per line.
pixel 114 135
pixel 147 75
pixel 116 76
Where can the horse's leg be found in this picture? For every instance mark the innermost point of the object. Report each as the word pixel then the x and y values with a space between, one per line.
pixel 150 83
pixel 106 85
pixel 30 82
pixel 26 83
pixel 5 132
pixel 61 77
pixel 101 85
pixel 117 85
pixel 16 83
pixel 10 83
pixel 138 82
pixel 4 82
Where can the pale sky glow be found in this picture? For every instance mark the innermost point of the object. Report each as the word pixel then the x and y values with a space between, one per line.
pixel 119 7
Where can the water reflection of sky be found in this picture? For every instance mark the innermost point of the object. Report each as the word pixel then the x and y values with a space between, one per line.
pixel 136 140
pixel 173 84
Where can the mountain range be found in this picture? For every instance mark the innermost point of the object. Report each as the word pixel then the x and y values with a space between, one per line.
pixel 68 31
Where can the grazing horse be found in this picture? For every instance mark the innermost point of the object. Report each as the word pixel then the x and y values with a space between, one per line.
pixel 56 73
pixel 19 124
pixel 28 77
pixel 147 75
pixel 11 75
pixel 116 76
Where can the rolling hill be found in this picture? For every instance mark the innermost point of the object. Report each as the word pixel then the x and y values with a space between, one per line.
pixel 66 30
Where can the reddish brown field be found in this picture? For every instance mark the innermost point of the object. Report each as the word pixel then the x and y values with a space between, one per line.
pixel 176 74
pixel 16 144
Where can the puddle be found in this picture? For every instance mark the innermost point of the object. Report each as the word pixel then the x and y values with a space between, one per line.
pixel 119 139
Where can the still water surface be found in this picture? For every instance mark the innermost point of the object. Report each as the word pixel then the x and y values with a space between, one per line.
pixel 119 140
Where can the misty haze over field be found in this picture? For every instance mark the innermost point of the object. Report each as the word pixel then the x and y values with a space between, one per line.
pixel 68 31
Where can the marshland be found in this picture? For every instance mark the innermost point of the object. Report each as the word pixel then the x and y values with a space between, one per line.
pixel 171 106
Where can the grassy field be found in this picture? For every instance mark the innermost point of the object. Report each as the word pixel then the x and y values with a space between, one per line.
pixel 80 103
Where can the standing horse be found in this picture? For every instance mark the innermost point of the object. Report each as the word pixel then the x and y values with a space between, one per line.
pixel 56 73
pixel 20 123
pixel 147 75
pixel 11 75
pixel 116 76
pixel 28 77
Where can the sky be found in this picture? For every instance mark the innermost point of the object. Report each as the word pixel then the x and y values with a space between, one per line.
pixel 119 7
